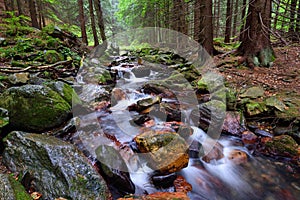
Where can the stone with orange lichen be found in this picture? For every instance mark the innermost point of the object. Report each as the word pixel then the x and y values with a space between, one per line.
pixel 166 151
pixel 181 185
pixel 249 137
pixel 159 196
pixel 237 157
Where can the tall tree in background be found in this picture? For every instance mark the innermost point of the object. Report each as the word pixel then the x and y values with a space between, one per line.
pixel 256 45
pixel 205 36
pixel 82 22
pixel 99 13
pixel 33 13
pixel 93 23
pixel 228 21
pixel 293 6
pixel 298 19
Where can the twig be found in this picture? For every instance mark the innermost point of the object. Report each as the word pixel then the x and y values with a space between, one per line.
pixel 34 68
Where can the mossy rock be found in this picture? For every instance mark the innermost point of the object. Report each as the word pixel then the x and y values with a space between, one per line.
pixel 283 145
pixel 4 119
pixel 12 189
pixel 253 92
pixel 52 56
pixel 166 151
pixel 34 107
pixel 256 107
pixel 65 91
pixel 292 106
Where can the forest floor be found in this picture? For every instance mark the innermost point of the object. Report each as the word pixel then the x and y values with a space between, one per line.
pixel 284 75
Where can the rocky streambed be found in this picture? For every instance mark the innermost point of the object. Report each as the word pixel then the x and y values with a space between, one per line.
pixel 145 125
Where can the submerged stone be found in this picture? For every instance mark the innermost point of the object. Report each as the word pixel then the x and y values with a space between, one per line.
pixel 55 168
pixel 34 107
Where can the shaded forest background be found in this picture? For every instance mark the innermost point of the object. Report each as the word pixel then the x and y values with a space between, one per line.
pixel 250 26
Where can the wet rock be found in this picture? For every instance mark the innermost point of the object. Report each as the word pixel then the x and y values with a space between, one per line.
pixel 237 157
pixel 52 167
pixel 263 133
pixel 215 153
pixel 249 137
pixel 157 89
pixel 141 71
pixel 65 91
pixel 19 78
pixel 181 185
pixel 10 189
pixel 4 119
pixel 282 145
pixel 253 92
pixel 160 196
pixel 117 94
pixel 146 103
pixel 166 152
pixel 140 120
pixel 34 107
pixel 163 181
pixel 114 170
pixel 233 123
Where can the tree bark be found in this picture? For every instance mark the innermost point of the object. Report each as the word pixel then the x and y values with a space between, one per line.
pixel 206 28
pixel 292 15
pixel 228 21
pixel 298 18
pixel 82 22
pixel 242 31
pixel 33 14
pixel 256 47
pixel 20 11
pixel 93 23
pixel 196 20
pixel 235 17
pixel 98 9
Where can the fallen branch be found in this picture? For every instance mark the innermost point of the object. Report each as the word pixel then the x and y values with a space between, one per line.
pixel 34 69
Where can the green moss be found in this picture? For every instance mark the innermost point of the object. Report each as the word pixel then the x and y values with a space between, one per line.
pixel 52 56
pixel 19 190
pixel 283 145
pixel 255 107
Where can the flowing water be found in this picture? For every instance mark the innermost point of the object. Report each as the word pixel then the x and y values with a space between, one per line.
pixel 252 178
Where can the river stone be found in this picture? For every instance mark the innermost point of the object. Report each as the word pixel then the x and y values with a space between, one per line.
pixel 56 168
pixel 283 145
pixel 253 92
pixel 10 189
pixel 34 107
pixel 65 91
pixel 4 119
pixel 166 152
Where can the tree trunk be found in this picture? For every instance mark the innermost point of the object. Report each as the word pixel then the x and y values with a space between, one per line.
pixel 235 17
pixel 256 46
pixel 98 9
pixel 196 20
pixel 206 28
pixel 93 23
pixel 82 22
pixel 242 31
pixel 276 15
pixel 20 11
pixel 298 18
pixel 228 21
pixel 33 14
pixel 283 22
pixel 292 15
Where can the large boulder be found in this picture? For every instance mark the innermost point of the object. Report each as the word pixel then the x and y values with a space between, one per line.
pixel 166 152
pixel 34 107
pixel 10 189
pixel 53 167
